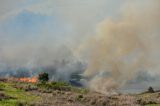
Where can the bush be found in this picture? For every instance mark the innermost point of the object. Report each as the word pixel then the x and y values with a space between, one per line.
pixel 79 97
pixel 151 90
pixel 43 77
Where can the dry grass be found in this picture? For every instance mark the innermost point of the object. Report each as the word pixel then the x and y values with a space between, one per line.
pixel 62 94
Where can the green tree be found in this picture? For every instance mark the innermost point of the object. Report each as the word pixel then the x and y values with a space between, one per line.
pixel 151 90
pixel 43 77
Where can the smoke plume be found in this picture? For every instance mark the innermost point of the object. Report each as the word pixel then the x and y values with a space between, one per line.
pixel 110 47
pixel 123 46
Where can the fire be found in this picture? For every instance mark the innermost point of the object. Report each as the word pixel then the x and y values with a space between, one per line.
pixel 29 80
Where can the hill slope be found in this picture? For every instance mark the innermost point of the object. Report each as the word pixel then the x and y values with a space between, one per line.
pixel 62 94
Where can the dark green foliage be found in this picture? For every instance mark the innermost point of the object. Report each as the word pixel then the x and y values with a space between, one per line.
pixel 43 77
pixel 151 90
pixel 79 97
pixel 152 102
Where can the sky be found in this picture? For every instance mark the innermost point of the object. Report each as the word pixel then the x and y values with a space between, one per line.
pixel 36 24
pixel 72 36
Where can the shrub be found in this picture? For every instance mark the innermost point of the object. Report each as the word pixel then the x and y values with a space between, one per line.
pixel 151 90
pixel 43 77
pixel 79 97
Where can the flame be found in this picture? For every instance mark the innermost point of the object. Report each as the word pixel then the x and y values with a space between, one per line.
pixel 29 80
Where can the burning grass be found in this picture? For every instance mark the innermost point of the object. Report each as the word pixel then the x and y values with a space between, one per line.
pixel 30 80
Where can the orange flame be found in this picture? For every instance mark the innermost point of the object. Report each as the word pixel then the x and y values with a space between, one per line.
pixel 29 80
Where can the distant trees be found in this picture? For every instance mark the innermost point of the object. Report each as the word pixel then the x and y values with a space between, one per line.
pixel 43 77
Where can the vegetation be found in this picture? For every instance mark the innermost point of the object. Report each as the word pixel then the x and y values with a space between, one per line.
pixel 62 86
pixel 62 93
pixel 149 98
pixel 43 77
pixel 150 90
pixel 15 96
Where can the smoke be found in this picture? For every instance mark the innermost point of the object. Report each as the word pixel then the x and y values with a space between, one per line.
pixel 123 46
pixel 30 60
pixel 33 43
pixel 46 35
pixel 30 43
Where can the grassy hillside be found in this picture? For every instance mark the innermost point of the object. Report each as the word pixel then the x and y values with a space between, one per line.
pixel 63 94
pixel 149 99
pixel 10 96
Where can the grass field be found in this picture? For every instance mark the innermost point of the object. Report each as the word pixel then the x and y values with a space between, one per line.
pixel 63 94
pixel 17 96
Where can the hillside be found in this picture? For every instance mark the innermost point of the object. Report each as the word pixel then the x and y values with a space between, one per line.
pixel 61 94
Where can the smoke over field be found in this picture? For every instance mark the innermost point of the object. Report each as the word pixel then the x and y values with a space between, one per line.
pixel 123 46
pixel 109 43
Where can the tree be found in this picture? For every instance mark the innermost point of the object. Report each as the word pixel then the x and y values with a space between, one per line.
pixel 151 90
pixel 43 77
